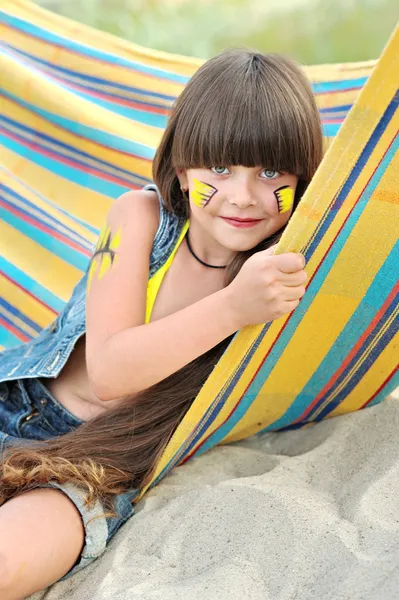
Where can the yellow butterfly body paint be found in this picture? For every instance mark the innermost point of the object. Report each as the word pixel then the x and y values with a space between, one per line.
pixel 104 255
pixel 285 198
pixel 202 193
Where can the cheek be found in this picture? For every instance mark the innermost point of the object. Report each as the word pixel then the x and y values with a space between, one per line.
pixel 285 198
pixel 201 193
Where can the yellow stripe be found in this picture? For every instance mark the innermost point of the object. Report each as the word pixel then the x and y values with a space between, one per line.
pixel 53 98
pixel 66 194
pixel 25 303
pixel 37 262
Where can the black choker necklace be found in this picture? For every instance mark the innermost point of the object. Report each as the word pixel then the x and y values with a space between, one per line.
pixel 199 260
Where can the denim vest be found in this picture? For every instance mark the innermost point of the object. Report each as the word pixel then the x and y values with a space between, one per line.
pixel 47 354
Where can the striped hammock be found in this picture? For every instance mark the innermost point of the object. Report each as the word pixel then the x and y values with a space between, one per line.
pixel 81 115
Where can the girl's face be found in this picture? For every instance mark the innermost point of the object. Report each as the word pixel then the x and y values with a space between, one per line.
pixel 239 206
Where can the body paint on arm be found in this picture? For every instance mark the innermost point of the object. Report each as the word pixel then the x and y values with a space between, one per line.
pixel 202 193
pixel 285 198
pixel 104 255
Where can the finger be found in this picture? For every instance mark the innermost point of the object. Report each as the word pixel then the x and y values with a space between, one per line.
pixel 289 262
pixel 291 305
pixel 293 279
pixel 294 293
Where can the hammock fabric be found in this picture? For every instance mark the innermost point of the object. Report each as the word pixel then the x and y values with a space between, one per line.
pixel 81 115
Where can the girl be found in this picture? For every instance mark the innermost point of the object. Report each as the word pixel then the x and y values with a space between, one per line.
pixel 87 408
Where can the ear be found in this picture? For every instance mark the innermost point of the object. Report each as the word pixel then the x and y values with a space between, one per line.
pixel 183 179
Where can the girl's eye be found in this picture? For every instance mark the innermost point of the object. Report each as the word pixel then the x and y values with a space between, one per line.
pixel 220 170
pixel 270 174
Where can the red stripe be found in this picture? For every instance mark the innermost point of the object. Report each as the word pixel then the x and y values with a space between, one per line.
pixel 333 121
pixel 28 293
pixel 388 379
pixel 377 318
pixel 18 334
pixel 67 161
pixel 114 100
pixel 343 91
pixel 42 227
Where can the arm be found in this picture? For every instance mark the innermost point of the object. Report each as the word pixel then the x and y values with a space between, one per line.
pixel 124 355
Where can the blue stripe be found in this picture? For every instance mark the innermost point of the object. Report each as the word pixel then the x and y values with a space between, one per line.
pixel 336 86
pixel 96 135
pixel 330 129
pixel 118 171
pixel 375 351
pixel 52 38
pixel 335 109
pixel 20 315
pixel 134 114
pixel 46 240
pixel 97 80
pixel 15 326
pixel 31 285
pixel 8 339
pixel 75 237
pixel 360 320
pixel 86 180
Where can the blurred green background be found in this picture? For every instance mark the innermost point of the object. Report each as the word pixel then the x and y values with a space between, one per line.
pixel 311 31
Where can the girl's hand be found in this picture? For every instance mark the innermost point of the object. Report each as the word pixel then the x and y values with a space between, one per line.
pixel 267 287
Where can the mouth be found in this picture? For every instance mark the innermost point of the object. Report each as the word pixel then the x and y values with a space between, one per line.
pixel 235 222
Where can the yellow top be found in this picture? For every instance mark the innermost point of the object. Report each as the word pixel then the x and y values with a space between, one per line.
pixel 155 282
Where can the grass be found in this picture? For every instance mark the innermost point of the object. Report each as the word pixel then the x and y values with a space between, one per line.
pixel 312 32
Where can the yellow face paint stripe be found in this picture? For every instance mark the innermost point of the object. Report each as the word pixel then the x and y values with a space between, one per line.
pixel 285 198
pixel 202 193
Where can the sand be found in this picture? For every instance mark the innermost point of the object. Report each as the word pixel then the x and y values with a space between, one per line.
pixel 311 514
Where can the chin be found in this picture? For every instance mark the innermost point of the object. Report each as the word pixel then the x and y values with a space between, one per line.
pixel 242 247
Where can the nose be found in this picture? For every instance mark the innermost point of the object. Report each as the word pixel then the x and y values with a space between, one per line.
pixel 241 194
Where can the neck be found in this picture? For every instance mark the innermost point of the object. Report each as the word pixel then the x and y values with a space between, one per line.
pixel 198 258
pixel 206 248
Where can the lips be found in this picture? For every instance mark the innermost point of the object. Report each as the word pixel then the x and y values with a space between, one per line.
pixel 236 222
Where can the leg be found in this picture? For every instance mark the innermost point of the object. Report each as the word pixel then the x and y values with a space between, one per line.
pixel 41 537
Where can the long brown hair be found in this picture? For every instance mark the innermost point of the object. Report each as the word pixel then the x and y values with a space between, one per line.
pixel 240 108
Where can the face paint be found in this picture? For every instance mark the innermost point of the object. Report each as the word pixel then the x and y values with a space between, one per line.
pixel 104 255
pixel 285 198
pixel 202 193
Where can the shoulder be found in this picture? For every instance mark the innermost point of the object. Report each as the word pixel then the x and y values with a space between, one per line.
pixel 134 202
pixel 136 211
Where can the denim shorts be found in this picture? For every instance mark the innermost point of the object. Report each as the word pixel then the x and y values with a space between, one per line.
pixel 29 412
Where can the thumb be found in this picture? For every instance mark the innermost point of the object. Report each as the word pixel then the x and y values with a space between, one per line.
pixel 271 250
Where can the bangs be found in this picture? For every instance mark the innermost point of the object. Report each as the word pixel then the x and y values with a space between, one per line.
pixel 257 113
